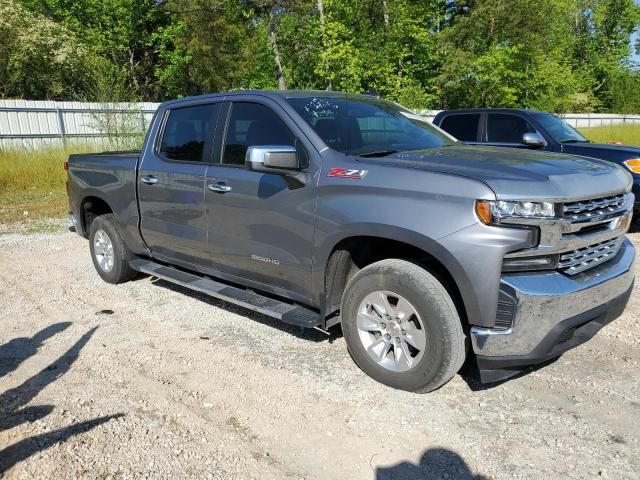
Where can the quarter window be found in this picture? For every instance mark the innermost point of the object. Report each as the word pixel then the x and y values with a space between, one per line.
pixel 252 125
pixel 462 127
pixel 186 132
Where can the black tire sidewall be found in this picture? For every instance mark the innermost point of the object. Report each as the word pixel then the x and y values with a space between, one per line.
pixel 435 312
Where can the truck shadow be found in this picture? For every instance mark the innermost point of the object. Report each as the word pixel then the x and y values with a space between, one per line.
pixel 471 374
pixel 13 403
pixel 435 463
pixel 303 333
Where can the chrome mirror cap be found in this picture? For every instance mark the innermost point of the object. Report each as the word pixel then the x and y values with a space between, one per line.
pixel 533 140
pixel 272 157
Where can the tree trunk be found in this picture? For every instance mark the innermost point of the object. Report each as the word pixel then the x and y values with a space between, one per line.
pixel 320 4
pixel 273 40
pixel 385 13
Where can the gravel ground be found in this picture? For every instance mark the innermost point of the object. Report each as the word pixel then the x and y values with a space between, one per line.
pixel 146 380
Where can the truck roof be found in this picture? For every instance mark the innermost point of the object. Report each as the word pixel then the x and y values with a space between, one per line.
pixel 492 110
pixel 270 94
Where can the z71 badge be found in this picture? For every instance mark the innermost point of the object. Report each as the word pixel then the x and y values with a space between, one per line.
pixel 347 173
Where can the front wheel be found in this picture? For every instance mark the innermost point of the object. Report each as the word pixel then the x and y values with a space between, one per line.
pixel 401 326
pixel 108 251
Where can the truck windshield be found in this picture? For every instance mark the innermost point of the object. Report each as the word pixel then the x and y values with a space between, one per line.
pixel 367 127
pixel 560 130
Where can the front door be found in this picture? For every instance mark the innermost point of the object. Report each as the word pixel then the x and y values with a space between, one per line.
pixel 260 228
pixel 171 185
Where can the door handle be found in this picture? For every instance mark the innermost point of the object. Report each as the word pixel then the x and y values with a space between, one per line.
pixel 219 187
pixel 149 180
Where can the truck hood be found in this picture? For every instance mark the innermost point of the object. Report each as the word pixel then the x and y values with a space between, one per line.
pixel 614 153
pixel 521 174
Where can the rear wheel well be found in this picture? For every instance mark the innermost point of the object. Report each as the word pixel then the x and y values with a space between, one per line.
pixel 353 254
pixel 92 208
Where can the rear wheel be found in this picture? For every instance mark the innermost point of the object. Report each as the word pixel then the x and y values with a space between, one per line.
pixel 108 251
pixel 402 327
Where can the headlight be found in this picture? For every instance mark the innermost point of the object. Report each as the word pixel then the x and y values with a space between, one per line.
pixel 633 165
pixel 499 211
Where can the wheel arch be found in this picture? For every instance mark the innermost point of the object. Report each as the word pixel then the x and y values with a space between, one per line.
pixel 350 253
pixel 91 208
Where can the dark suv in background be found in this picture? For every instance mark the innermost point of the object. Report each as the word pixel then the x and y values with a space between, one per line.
pixel 531 129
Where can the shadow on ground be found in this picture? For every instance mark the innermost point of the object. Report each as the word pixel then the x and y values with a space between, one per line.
pixel 471 374
pixel 13 353
pixel 435 463
pixel 303 333
pixel 13 409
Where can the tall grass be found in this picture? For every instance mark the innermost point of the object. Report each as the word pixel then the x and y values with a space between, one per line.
pixel 627 134
pixel 32 183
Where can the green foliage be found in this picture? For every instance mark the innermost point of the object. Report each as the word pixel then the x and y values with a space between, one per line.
pixel 555 55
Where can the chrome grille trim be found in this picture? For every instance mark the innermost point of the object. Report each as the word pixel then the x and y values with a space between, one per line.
pixel 583 259
pixel 595 209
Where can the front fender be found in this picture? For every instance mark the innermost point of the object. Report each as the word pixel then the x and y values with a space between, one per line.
pixel 472 256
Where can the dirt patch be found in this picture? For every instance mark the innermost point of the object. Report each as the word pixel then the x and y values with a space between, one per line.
pixel 171 384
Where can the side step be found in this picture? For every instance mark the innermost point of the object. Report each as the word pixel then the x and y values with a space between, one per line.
pixel 288 313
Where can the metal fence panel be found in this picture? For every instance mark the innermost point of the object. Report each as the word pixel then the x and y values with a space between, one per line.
pixel 41 124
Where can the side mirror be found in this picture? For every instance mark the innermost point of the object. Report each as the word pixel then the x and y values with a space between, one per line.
pixel 278 159
pixel 533 140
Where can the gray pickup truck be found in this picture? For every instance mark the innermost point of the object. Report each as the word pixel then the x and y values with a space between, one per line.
pixel 321 209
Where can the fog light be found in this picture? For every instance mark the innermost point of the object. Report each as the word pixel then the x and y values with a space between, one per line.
pixel 523 264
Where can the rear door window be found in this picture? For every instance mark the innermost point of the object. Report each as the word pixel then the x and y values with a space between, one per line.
pixel 506 128
pixel 464 127
pixel 186 132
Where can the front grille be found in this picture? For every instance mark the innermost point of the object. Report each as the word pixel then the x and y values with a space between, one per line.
pixel 585 258
pixel 596 209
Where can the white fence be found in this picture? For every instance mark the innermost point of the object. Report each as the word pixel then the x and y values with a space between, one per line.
pixel 38 124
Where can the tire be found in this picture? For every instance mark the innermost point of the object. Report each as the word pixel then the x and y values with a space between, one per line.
pixel 111 263
pixel 435 326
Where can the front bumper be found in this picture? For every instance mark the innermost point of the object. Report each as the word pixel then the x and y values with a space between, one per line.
pixel 553 313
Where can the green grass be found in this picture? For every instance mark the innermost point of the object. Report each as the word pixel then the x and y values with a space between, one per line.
pixel 32 184
pixel 627 134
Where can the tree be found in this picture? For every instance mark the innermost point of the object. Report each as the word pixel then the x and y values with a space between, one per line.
pixel 39 58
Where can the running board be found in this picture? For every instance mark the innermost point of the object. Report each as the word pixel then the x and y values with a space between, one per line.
pixel 287 312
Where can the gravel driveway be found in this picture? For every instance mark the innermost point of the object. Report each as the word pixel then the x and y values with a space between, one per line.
pixel 146 380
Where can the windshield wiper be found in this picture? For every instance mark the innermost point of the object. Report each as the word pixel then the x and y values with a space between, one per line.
pixel 378 154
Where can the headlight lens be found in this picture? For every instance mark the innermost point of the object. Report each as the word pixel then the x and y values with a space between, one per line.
pixel 499 211
pixel 633 165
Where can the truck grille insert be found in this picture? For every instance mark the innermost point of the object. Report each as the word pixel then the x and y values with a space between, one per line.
pixel 585 258
pixel 596 209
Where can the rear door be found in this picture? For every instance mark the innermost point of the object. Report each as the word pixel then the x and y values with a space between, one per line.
pixel 261 227
pixel 171 184
pixel 465 127
pixel 507 130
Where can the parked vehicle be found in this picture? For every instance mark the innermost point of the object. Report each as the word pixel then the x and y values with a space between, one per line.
pixel 530 129
pixel 322 208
